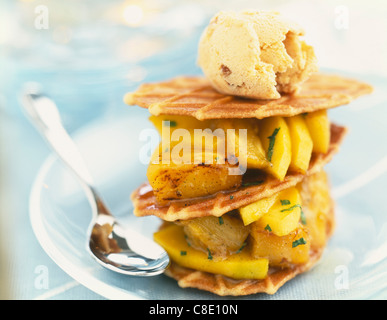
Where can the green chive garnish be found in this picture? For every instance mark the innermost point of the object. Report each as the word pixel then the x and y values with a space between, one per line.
pixel 303 218
pixel 284 202
pixel 267 228
pixel 186 239
pixel 241 248
pixel 221 220
pixel 291 208
pixel 252 183
pixel 298 242
pixel 209 257
pixel 271 143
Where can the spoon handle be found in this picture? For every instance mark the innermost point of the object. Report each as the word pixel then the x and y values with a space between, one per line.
pixel 45 116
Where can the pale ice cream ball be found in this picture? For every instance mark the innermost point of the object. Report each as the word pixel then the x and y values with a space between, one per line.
pixel 255 54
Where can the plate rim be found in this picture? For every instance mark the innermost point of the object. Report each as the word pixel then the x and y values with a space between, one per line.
pixel 84 278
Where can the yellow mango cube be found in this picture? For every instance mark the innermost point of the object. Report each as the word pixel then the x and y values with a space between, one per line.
pixel 302 144
pixel 254 211
pixel 275 137
pixel 319 128
pixel 175 122
pixel 284 216
pixel 237 266
pixel 256 158
pixel 253 154
pixel 281 250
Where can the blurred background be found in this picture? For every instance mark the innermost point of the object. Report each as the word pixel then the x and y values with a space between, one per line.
pixel 88 54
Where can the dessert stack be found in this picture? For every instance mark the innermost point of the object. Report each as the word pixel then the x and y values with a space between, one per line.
pixel 238 179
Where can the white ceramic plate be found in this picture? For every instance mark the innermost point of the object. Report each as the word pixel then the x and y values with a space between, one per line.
pixel 354 265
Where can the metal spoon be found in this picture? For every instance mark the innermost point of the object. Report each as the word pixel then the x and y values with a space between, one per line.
pixel 114 247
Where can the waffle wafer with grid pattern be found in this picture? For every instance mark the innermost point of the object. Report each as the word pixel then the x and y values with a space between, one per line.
pixel 194 96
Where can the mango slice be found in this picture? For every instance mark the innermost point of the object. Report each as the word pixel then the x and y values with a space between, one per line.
pixel 254 156
pixel 174 122
pixel 283 217
pixel 302 144
pixel 275 138
pixel 237 266
pixel 256 210
pixel 319 128
pixel 281 250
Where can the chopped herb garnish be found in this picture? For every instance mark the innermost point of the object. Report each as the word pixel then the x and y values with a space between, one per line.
pixel 291 208
pixel 298 242
pixel 183 253
pixel 252 183
pixel 303 218
pixel 285 202
pixel 231 197
pixel 241 248
pixel 271 143
pixel 169 123
pixel 267 228
pixel 304 114
pixel 186 239
pixel 221 220
pixel 209 257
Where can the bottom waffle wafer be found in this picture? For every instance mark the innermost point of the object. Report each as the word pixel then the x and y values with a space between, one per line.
pixel 223 286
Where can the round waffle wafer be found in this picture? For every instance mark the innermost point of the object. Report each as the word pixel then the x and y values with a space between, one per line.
pixel 194 96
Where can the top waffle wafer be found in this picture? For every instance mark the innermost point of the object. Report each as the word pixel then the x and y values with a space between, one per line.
pixel 194 96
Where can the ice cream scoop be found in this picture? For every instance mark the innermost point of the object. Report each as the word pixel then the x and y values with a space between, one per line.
pixel 255 54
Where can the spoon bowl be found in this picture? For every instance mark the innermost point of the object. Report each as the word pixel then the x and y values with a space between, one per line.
pixel 117 248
